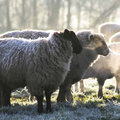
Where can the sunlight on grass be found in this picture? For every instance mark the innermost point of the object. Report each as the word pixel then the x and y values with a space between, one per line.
pixel 86 106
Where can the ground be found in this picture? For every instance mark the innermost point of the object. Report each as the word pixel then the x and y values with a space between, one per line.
pixel 86 106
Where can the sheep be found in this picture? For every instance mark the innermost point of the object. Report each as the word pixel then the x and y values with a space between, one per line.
pixel 40 64
pixel 28 34
pixel 93 45
pixel 106 68
pixel 115 37
pixel 108 29
pixel 111 32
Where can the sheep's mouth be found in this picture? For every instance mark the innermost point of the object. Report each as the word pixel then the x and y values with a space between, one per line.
pixel 104 52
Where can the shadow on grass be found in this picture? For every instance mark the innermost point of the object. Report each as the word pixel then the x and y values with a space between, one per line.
pixel 110 87
pixel 90 92
pixel 87 100
pixel 26 110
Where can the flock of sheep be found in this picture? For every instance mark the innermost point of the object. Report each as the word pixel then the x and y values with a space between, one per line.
pixel 44 61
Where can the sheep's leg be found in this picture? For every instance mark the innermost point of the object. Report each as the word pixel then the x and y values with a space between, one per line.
pixel 1 97
pixel 32 98
pixel 117 84
pixel 62 93
pixel 7 95
pixel 40 103
pixel 81 85
pixel 76 87
pixel 68 94
pixel 48 101
pixel 100 91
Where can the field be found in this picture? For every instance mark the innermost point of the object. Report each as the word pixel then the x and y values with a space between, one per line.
pixel 85 106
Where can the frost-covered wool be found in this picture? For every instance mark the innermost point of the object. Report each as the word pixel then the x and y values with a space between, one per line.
pixel 93 45
pixel 40 64
pixel 115 38
pixel 28 34
pixel 106 68
pixel 108 29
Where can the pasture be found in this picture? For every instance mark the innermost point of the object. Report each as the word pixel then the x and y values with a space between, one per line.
pixel 86 106
pixel 58 15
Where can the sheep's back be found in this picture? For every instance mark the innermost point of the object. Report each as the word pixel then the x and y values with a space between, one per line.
pixel 28 34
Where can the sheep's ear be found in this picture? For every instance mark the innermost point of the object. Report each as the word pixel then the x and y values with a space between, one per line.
pixel 66 33
pixel 72 33
pixel 91 37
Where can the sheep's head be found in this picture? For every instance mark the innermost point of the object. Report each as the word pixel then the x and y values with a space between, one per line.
pixel 91 41
pixel 71 36
pixel 98 43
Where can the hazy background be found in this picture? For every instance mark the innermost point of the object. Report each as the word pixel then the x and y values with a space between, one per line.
pixel 57 14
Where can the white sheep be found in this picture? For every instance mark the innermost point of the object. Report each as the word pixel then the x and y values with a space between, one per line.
pixel 108 29
pixel 111 33
pixel 40 64
pixel 115 38
pixel 106 68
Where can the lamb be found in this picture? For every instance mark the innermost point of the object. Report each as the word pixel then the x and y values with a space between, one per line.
pixel 40 64
pixel 115 37
pixel 106 68
pixel 28 34
pixel 93 45
pixel 108 29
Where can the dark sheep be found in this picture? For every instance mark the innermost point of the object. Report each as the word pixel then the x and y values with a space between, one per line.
pixel 40 64
pixel 28 34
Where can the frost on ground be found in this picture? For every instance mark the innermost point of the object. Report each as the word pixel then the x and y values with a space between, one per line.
pixel 86 106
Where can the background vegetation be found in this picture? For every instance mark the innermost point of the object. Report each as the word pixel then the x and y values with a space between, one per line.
pixel 57 14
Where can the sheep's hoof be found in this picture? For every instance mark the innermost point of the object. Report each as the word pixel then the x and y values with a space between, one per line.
pixel 60 100
pixel 40 111
pixel 49 111
pixel 69 98
pixel 100 95
pixel 117 91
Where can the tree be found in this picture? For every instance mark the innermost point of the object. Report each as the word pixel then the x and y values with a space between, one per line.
pixel 53 7
pixel 35 14
pixel 8 22
pixel 68 14
pixel 106 13
pixel 23 13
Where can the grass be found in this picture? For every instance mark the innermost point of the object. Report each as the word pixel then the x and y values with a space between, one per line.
pixel 86 106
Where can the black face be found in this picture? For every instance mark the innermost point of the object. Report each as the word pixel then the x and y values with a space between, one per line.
pixel 70 35
pixel 103 49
